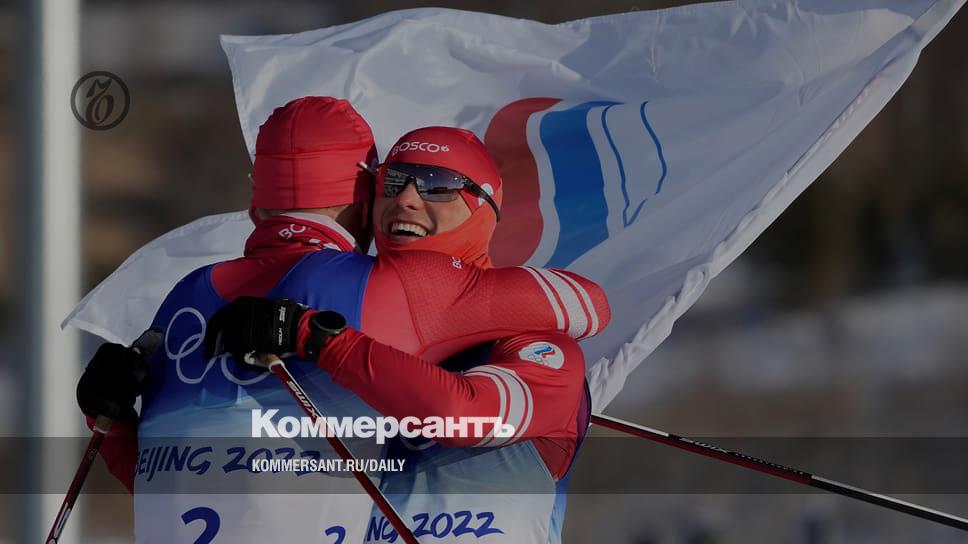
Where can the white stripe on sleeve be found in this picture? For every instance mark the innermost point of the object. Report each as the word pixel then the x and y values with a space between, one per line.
pixel 585 297
pixel 577 317
pixel 559 317
pixel 502 391
pixel 520 403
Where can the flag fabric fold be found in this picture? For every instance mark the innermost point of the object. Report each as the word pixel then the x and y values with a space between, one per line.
pixel 122 306
pixel 644 150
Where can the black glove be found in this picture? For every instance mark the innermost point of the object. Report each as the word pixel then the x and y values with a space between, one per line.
pixel 250 324
pixel 113 379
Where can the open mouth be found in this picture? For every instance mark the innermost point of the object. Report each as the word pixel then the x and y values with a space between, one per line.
pixel 407 230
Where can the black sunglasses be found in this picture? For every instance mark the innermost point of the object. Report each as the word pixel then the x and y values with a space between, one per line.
pixel 433 183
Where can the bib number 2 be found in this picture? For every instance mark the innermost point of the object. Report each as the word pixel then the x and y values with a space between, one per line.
pixel 212 523
pixel 211 520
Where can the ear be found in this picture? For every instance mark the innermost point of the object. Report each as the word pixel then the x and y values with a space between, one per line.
pixel 365 225
pixel 254 215
pixel 365 216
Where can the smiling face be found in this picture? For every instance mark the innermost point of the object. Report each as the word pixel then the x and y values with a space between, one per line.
pixel 407 217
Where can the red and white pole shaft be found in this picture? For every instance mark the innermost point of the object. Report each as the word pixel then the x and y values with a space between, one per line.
pixel 278 367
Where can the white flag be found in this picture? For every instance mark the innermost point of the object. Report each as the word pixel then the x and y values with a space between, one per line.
pixel 643 150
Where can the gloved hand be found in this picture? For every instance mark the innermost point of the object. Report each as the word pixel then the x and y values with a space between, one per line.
pixel 113 379
pixel 253 324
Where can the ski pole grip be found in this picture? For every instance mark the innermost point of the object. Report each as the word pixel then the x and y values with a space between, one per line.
pixel 102 424
pixel 261 359
pixel 145 345
pixel 148 342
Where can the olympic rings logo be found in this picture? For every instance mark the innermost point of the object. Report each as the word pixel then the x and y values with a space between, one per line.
pixel 190 345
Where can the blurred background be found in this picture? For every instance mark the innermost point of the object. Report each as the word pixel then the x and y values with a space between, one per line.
pixel 845 319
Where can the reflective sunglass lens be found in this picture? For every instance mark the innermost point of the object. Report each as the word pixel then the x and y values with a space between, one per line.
pixel 446 195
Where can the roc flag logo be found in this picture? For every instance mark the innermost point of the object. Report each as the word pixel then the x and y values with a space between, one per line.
pixel 574 175
pixel 543 353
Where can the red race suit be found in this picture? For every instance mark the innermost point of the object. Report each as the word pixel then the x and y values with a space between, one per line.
pixel 430 305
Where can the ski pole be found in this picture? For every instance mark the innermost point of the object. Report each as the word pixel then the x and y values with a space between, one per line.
pixel 278 367
pixel 145 345
pixel 779 471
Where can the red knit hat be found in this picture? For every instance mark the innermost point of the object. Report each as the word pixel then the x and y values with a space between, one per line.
pixel 306 155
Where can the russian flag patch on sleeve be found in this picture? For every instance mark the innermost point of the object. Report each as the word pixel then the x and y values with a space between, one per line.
pixel 543 353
